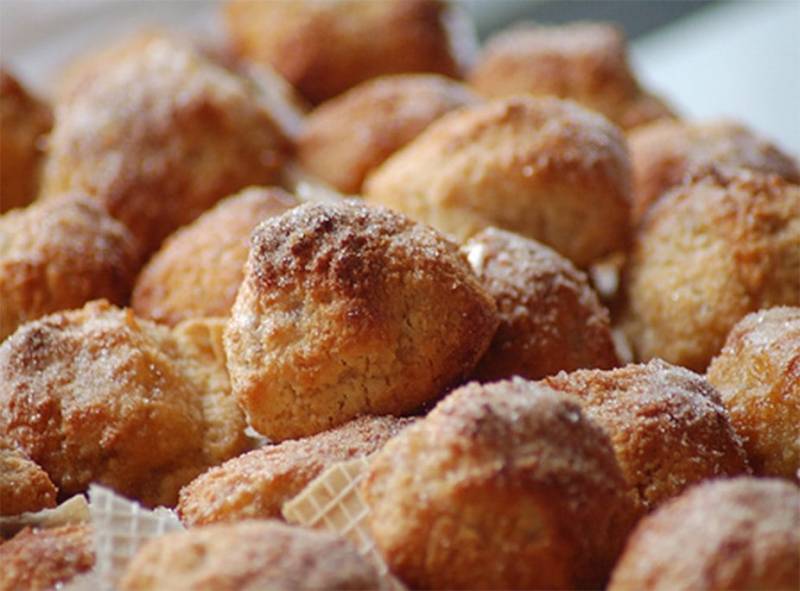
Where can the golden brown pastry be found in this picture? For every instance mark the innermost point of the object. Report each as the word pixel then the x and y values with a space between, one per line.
pixel 541 167
pixel 667 425
pixel 348 310
pixel 708 254
pixel 347 137
pixel 665 153
pixel 97 395
pixel 257 484
pixel 742 533
pixel 24 122
pixel 160 134
pixel 324 48
pixel 41 559
pixel 198 269
pixel 249 556
pixel 24 486
pixel 758 376
pixel 502 486
pixel 583 61
pixel 550 318
pixel 59 254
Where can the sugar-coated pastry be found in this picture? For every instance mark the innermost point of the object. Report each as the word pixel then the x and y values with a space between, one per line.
pixel 97 395
pixel 347 310
pixel 198 269
pixel 583 61
pixel 502 486
pixel 24 486
pixel 258 483
pixel 325 47
pixel 24 121
pixel 666 423
pixel 249 556
pixel 541 167
pixel 345 138
pixel 757 374
pixel 709 253
pixel 742 533
pixel 160 134
pixel 59 254
pixel 665 153
pixel 550 318
pixel 41 559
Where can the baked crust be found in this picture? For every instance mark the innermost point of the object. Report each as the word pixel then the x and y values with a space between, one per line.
pixel 24 486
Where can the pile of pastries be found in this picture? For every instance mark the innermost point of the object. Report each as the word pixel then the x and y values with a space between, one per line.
pixel 562 322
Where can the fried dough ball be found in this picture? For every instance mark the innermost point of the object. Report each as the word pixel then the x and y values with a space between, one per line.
pixel 757 376
pixel 324 48
pixel 709 253
pixel 583 61
pixel 40 559
pixel 97 395
pixel 540 167
pixel 257 484
pixel 59 254
pixel 506 485
pixel 665 153
pixel 249 556
pixel 198 269
pixel 742 533
pixel 24 121
pixel 550 318
pixel 667 425
pixel 160 135
pixel 347 137
pixel 348 310
pixel 24 486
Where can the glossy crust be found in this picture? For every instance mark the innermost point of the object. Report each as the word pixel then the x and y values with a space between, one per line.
pixel 24 121
pixel 550 318
pixel 541 167
pixel 198 269
pixel 758 376
pixel 667 425
pixel 249 556
pixel 501 486
pixel 160 135
pixel 742 533
pixel 24 486
pixel 97 395
pixel 347 137
pixel 665 153
pixel 583 61
pixel 59 254
pixel 348 310
pixel 709 253
pixel 257 484
pixel 325 48
pixel 40 559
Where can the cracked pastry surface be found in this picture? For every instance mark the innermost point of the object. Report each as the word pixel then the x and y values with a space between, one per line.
pixel 757 374
pixel 709 253
pixel 249 556
pixel 198 269
pixel 541 167
pixel 347 137
pixel 583 61
pixel 59 254
pixel 742 533
pixel 667 424
pixel 505 485
pixel 159 134
pixel 97 395
pixel 24 486
pixel 258 483
pixel 550 318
